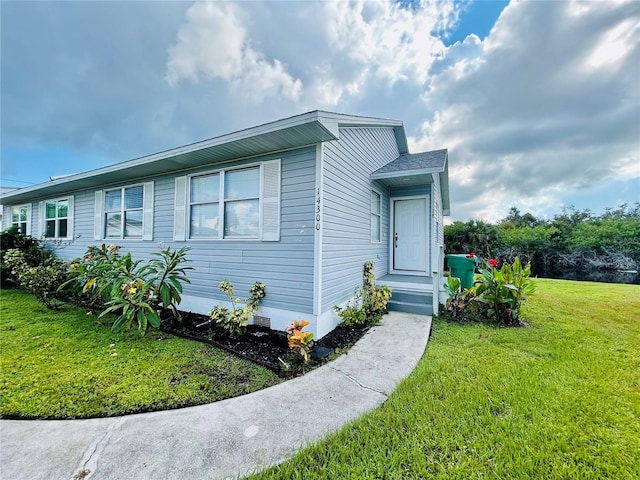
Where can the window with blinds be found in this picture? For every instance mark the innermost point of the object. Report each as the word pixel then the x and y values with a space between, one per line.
pixel 239 203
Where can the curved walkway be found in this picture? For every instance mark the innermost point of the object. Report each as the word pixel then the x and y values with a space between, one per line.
pixel 225 439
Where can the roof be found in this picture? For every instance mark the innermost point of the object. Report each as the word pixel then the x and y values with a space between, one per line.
pixel 417 168
pixel 433 161
pixel 294 132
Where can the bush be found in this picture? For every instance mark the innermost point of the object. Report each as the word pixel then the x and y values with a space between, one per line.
pixel 91 277
pixel 504 291
pixel 134 289
pixel 33 253
pixel 369 303
pixel 235 321
pixel 41 280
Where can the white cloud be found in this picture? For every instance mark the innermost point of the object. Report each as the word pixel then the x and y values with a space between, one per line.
pixel 543 111
pixel 376 41
pixel 214 43
pixel 534 113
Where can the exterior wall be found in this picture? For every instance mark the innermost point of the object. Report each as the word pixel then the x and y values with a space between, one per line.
pixel 346 229
pixel 285 266
pixel 437 227
pixel 413 190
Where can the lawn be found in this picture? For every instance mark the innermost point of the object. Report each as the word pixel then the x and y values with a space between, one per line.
pixel 559 399
pixel 66 365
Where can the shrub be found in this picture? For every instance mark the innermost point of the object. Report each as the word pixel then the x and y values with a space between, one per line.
pixel 91 277
pixel 504 291
pixel 167 274
pixel 135 289
pixel 235 321
pixel 300 342
pixel 369 303
pixel 34 254
pixel 41 280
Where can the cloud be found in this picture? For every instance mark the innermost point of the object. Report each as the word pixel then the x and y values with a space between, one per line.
pixel 532 116
pixel 214 43
pixel 536 112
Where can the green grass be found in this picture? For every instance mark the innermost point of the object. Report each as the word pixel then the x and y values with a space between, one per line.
pixel 560 399
pixel 64 365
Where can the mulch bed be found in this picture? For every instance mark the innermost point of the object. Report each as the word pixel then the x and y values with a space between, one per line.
pixel 261 345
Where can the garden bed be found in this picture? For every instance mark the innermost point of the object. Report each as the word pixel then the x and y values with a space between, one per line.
pixel 261 345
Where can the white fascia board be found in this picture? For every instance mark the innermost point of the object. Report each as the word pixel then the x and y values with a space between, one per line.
pixel 404 173
pixel 149 159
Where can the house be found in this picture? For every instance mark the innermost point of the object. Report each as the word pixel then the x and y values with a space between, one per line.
pixel 299 204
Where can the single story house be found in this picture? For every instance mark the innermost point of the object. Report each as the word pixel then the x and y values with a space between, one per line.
pixel 299 204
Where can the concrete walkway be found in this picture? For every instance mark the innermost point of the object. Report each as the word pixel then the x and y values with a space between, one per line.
pixel 225 439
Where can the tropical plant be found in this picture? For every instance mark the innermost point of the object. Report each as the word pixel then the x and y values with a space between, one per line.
pixel 300 342
pixel 167 274
pixel 235 321
pixel 135 289
pixel 352 314
pixel 375 299
pixel 135 304
pixel 91 277
pixel 368 303
pixel 504 291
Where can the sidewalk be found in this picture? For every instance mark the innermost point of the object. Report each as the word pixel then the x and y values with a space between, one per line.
pixel 225 439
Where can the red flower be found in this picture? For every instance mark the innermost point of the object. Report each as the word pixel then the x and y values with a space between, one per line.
pixel 493 262
pixel 471 255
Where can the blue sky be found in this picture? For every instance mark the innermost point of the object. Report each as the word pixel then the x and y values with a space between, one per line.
pixel 538 102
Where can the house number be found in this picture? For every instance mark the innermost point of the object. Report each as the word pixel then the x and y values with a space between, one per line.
pixel 318 210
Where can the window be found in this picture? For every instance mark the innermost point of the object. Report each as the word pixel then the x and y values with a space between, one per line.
pixel 239 203
pixel 242 203
pixel 125 212
pixel 239 207
pixel 204 194
pixel 376 215
pixel 56 218
pixel 20 218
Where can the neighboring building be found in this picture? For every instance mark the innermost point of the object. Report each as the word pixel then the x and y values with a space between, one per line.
pixel 299 204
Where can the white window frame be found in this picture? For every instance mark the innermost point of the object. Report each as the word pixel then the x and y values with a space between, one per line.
pixel 221 201
pixel 100 227
pixel 375 215
pixel 27 222
pixel 268 199
pixel 56 219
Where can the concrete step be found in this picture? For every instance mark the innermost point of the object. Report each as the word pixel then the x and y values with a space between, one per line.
pixel 411 302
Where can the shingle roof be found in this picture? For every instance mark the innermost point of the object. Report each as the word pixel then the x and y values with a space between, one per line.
pixel 434 160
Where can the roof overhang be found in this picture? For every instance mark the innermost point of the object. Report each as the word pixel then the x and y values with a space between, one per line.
pixel 286 134
pixel 407 177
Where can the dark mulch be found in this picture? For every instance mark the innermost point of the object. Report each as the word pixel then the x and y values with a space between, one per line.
pixel 261 345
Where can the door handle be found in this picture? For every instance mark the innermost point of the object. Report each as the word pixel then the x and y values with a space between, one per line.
pixel 396 241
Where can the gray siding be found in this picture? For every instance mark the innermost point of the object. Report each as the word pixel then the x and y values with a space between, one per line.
pixel 437 227
pixel 346 236
pixel 286 266
pixel 410 191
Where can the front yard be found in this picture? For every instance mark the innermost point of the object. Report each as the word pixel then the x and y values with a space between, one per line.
pixel 560 399
pixel 65 365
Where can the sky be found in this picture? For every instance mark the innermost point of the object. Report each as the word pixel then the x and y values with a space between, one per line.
pixel 538 102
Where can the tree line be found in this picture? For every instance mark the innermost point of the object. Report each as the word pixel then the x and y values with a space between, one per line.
pixel 573 242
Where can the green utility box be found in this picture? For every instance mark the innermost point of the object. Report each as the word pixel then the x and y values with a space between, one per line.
pixel 462 267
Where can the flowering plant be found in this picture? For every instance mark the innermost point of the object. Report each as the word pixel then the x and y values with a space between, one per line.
pixel 471 255
pixel 493 262
pixel 300 342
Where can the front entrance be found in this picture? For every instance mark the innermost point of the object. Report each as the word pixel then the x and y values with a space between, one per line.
pixel 410 235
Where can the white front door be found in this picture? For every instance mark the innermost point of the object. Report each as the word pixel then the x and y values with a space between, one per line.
pixel 410 235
